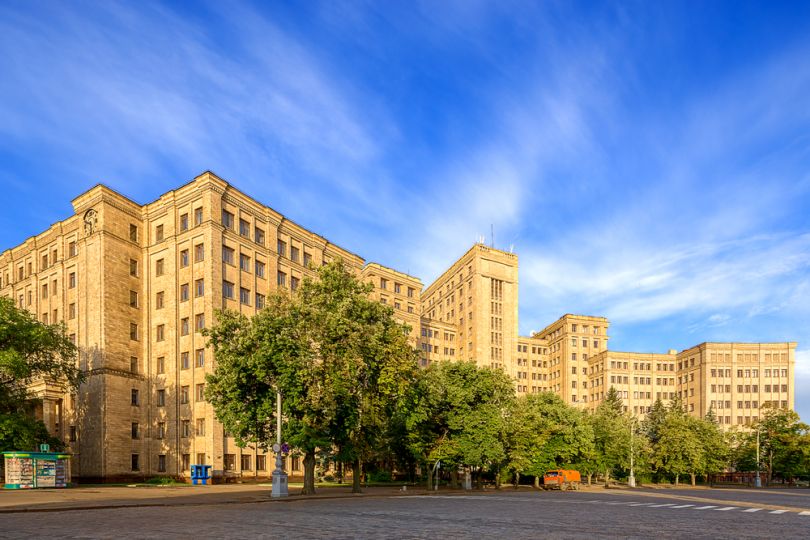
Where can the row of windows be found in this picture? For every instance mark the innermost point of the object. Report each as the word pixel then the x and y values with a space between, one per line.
pixel 748 373
pixel 295 255
pixel 397 288
pixel 246 461
pixel 46 263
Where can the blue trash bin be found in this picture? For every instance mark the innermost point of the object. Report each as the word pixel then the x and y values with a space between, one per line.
pixel 200 474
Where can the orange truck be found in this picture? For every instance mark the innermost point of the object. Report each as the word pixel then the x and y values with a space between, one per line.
pixel 561 479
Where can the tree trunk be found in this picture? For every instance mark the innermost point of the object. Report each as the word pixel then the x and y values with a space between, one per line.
pixel 677 478
pixel 429 477
pixel 607 478
pixel 454 479
pixel 498 478
pixel 339 472
pixel 693 478
pixel 517 480
pixel 356 472
pixel 590 478
pixel 478 478
pixel 536 482
pixel 309 473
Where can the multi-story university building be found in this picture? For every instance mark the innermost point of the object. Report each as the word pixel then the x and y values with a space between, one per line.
pixel 135 284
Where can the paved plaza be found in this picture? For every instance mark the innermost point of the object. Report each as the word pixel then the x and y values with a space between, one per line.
pixel 247 512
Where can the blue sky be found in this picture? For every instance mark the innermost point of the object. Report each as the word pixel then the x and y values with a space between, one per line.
pixel 648 161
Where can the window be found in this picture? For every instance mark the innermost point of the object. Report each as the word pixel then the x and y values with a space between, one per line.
pixel 199 354
pixel 72 280
pixel 244 262
pixel 410 292
pixel 133 331
pixel 135 398
pixel 184 258
pixel 161 398
pixel 183 222
pixel 200 427
pixel 397 288
pixel 245 462
pixel 199 252
pixel 199 287
pixel 184 292
pixel 198 216
pixel 201 458
pixel 259 301
pixel 307 259
pixel 227 219
pixel 160 333
pixel 184 360
pixel 282 279
pixel 133 232
pixel 159 267
pixel 185 462
pixel 227 289
pixel 258 236
pixel 72 249
pixel 201 392
pixel 133 267
pixel 227 255
pixel 185 428
pixel 45 291
pixel 72 311
pixel 199 322
pixel 161 462
pixel 294 253
pixel 294 282
pixel 184 393
pixel 229 462
pixel 133 364
pixel 72 436
pixel 135 430
pixel 244 228
pixel 159 300
pixel 281 247
pixel 133 299
pixel 161 364
pixel 259 269
pixel 261 463
pixel 383 284
pixel 244 296
pixel 136 465
pixel 159 233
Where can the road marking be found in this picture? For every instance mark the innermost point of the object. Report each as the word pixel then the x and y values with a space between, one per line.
pixel 753 510
pixel 705 507
pixel 644 504
pixel 778 511
pixel 661 505
pixel 805 513
pixel 726 509
pixel 683 506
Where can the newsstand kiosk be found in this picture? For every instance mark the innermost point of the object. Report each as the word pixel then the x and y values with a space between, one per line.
pixel 31 470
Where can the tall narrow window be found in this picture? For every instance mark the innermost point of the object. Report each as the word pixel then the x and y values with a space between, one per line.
pixel 159 233
pixel 183 222
pixel 227 219
pixel 133 232
pixel 198 216
pixel 199 287
pixel 133 299
pixel 184 258
pixel 199 252
pixel 159 267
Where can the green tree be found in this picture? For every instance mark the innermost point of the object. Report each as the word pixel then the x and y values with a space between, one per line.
pixel 339 360
pixel 782 443
pixel 546 434
pixel 456 413
pixel 30 351
pixel 611 427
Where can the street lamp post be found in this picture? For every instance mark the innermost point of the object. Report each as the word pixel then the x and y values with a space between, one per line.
pixel 758 481
pixel 280 488
pixel 631 480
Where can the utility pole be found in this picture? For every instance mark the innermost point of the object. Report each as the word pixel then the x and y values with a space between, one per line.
pixel 631 481
pixel 758 482
pixel 280 487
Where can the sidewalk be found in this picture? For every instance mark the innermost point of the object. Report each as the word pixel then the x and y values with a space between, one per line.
pixel 97 497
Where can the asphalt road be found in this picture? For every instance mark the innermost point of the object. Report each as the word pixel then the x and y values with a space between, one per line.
pixel 505 514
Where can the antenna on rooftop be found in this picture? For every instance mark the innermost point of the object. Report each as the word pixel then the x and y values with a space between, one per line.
pixel 511 248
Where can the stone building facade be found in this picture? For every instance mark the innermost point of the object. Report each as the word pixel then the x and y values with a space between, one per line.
pixel 135 284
